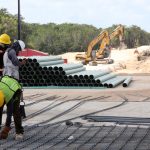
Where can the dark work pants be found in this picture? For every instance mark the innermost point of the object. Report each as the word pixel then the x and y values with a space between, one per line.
pixel 1 113
pixel 1 73
pixel 13 110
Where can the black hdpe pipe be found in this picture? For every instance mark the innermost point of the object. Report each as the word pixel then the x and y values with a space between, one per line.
pixel 43 72
pixel 61 77
pixel 70 77
pixel 76 77
pixel 34 64
pixel 23 73
pixel 31 60
pixel 57 80
pixel 78 80
pixel 81 76
pixel 30 77
pixel 56 68
pixel 56 72
pixel 65 77
pixel 88 76
pixel 50 68
pixel 23 68
pixel 45 68
pixel 29 68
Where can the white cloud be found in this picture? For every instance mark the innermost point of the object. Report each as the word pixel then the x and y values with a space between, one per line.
pixel 100 13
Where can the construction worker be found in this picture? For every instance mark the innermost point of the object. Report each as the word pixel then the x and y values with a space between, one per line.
pixel 11 62
pixel 10 94
pixel 4 44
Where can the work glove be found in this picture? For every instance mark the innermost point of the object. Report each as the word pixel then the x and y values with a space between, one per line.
pixel 22 109
pixel 4 132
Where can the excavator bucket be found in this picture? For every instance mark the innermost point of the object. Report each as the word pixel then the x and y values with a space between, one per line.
pixel 122 45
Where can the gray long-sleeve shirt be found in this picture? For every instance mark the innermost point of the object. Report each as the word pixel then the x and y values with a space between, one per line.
pixel 13 57
pixel 11 64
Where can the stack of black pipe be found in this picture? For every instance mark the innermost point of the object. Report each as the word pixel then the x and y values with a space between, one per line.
pixel 34 73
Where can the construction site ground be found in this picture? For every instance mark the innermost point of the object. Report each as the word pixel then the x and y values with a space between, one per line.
pixel 57 118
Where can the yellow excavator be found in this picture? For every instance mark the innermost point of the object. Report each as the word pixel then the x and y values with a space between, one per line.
pixel 104 50
pixel 87 55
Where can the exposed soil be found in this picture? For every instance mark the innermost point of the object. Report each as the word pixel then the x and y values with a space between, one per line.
pixel 125 61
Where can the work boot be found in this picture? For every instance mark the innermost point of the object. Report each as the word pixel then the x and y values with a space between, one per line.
pixel 19 136
pixel 4 132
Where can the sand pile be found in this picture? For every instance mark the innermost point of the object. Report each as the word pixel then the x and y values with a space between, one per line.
pixel 125 61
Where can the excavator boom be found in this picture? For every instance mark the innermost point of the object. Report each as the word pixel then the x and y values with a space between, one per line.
pixel 119 31
pixel 101 36
pixel 97 39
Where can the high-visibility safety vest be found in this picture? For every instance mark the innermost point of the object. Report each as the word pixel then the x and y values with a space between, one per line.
pixel 9 86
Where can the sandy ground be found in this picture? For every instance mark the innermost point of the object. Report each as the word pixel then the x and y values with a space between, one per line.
pixel 125 61
pixel 54 106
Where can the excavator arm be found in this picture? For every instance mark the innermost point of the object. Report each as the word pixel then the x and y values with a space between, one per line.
pixel 101 36
pixel 87 56
pixel 119 31
pixel 105 41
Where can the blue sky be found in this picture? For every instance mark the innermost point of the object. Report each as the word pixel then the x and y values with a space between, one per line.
pixel 99 13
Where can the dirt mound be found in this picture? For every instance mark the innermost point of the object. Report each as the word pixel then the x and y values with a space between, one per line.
pixel 125 61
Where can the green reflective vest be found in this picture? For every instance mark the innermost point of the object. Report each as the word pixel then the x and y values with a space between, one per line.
pixel 9 86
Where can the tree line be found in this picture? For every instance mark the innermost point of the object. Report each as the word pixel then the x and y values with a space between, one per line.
pixel 59 38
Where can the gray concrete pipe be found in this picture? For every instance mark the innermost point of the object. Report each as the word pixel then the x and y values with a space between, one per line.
pixel 49 63
pixel 65 67
pixel 99 73
pixel 85 72
pixel 106 83
pixel 68 72
pixel 127 82
pixel 90 74
pixel 116 82
pixel 76 76
pixel 105 77
pixel 46 58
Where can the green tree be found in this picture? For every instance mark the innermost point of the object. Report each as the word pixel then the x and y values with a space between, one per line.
pixel 67 37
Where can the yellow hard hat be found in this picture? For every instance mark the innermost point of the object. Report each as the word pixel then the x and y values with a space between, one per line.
pixel 5 39
pixel 1 98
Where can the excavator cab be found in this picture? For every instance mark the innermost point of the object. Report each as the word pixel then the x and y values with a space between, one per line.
pixel 107 51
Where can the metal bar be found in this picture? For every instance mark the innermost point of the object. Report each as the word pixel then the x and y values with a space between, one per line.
pixel 19 21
